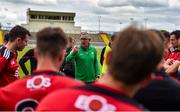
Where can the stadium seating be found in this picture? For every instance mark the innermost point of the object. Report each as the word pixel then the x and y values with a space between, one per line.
pixel 95 40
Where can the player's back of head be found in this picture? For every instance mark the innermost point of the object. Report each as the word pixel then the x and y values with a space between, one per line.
pixel 50 41
pixel 135 54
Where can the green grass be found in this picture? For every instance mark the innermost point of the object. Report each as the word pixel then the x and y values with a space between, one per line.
pixel 21 53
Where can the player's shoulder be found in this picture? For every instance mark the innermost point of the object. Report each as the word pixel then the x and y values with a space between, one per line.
pixel 71 92
pixel 83 99
pixel 66 94
pixel 75 99
pixel 67 81
pixel 6 53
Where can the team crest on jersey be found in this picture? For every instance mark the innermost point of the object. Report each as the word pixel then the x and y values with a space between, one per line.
pixel 93 103
pixel 12 62
pixel 38 82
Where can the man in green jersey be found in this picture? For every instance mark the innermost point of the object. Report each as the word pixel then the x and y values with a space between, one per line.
pixel 87 66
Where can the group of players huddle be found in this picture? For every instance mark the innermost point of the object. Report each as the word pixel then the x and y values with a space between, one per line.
pixel 134 56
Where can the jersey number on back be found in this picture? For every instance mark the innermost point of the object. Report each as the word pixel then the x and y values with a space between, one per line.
pixel 26 105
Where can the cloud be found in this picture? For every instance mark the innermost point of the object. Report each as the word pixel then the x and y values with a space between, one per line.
pixel 162 13
pixel 34 2
pixel 125 10
pixel 174 3
pixel 7 17
pixel 149 3
pixel 135 3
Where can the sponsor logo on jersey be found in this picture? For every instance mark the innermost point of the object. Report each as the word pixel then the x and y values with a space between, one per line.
pixel 93 103
pixel 38 82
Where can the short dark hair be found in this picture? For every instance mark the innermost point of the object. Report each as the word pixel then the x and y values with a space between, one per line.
pixel 50 41
pixel 166 34
pixel 135 54
pixel 6 37
pixel 176 33
pixel 18 31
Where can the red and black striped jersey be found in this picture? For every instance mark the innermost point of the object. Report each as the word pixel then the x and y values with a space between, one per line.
pixel 8 66
pixel 96 97
pixel 25 94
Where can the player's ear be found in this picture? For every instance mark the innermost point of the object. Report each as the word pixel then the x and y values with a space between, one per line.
pixel 62 55
pixel 18 40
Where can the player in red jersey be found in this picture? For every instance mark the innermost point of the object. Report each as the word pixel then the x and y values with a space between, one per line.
pixel 172 63
pixel 18 37
pixel 135 54
pixel 24 94
pixel 174 37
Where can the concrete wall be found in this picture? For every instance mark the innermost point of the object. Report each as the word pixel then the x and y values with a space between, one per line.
pixel 36 25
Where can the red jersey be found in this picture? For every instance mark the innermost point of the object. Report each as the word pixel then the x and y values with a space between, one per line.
pixel 8 66
pixel 174 55
pixel 94 97
pixel 166 55
pixel 25 94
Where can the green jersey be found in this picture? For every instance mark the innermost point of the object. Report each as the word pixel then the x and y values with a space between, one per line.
pixel 86 66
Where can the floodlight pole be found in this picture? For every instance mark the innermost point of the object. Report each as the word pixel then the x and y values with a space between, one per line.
pixel 99 23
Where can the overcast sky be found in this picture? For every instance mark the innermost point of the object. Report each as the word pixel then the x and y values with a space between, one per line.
pixel 113 14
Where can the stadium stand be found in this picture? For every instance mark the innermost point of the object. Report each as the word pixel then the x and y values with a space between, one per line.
pixel 95 40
